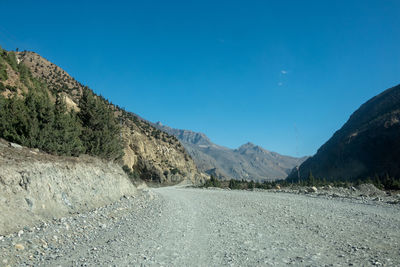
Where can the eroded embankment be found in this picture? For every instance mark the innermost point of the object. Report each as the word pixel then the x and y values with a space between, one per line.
pixel 35 186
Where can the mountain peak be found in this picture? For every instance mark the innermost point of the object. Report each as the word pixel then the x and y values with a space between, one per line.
pixel 250 146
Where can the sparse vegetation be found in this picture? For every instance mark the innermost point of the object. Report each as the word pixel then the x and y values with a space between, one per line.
pixel 386 183
pixel 11 60
pixel 175 171
pixel 3 67
pixel 133 175
pixel 213 182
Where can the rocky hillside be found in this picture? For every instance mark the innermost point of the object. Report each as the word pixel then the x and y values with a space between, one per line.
pixel 149 153
pixel 36 186
pixel 368 144
pixel 248 162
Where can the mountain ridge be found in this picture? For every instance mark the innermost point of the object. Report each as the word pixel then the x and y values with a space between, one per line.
pixel 248 161
pixel 367 145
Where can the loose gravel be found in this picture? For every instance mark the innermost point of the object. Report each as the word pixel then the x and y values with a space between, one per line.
pixel 175 226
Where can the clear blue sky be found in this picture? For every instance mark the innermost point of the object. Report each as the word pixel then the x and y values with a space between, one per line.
pixel 282 74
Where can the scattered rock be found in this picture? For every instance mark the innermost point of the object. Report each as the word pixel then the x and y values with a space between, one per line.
pixel 312 189
pixel 87 244
pixel 370 190
pixel 20 232
pixel 19 246
pixel 29 202
pixel 14 145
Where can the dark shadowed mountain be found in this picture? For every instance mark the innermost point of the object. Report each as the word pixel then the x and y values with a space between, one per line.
pixel 249 161
pixel 367 145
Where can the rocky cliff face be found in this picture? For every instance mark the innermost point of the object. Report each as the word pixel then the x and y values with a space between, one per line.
pixel 154 155
pixel 157 155
pixel 35 186
pixel 248 162
pixel 368 144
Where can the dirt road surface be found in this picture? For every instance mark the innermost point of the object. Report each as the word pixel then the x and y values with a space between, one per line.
pixel 176 226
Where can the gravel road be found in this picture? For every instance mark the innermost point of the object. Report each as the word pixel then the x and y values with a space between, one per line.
pixel 175 226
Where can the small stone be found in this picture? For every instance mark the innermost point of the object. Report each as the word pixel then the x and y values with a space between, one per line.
pixel 14 145
pixel 1 238
pixel 29 202
pixel 312 189
pixel 44 243
pixel 20 232
pixel 19 247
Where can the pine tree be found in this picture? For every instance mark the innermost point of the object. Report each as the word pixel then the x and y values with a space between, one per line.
pixel 310 179
pixel 45 117
pixel 66 130
pixel 14 120
pixel 33 123
pixel 101 133
pixel 250 185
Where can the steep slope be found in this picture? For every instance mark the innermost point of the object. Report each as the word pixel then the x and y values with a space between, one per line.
pixel 367 145
pixel 249 161
pixel 36 186
pixel 152 154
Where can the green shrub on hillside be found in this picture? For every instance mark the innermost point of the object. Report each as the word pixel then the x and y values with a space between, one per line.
pixel 3 69
pixel 133 175
pixel 12 60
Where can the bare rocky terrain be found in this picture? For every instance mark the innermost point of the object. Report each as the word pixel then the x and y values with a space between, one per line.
pixel 249 161
pixel 177 226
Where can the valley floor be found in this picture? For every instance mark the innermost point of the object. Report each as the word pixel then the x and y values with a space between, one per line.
pixel 176 226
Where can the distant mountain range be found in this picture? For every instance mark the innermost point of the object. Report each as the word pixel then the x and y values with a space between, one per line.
pixel 249 161
pixel 367 146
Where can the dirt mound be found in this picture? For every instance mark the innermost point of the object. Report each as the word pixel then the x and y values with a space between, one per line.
pixel 369 190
